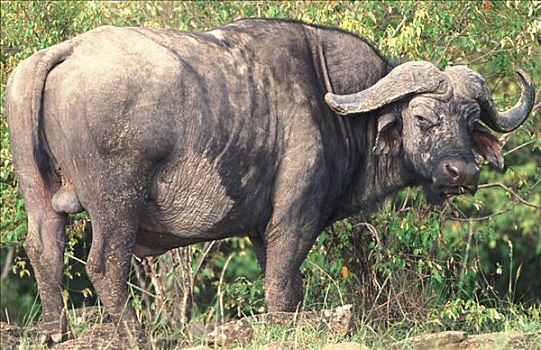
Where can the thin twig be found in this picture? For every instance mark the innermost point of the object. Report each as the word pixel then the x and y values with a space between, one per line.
pixel 375 234
pixel 219 292
pixel 491 53
pixel 161 295
pixel 465 218
pixel 510 191
pixel 200 263
pixel 129 283
pixel 519 147
pixel 203 257
pixel 406 197
pixel 466 255
pixel 399 26
pixel 7 264
pixel 481 218
pixel 461 17
pixel 139 276
pixel 451 204
pixel 332 279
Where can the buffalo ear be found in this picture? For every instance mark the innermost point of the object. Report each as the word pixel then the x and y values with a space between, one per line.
pixel 488 146
pixel 388 137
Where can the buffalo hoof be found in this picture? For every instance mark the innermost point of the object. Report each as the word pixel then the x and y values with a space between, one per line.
pixel 52 332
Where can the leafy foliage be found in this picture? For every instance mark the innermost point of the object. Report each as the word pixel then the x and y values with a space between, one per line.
pixel 465 264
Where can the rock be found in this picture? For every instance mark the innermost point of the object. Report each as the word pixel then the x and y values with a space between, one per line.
pixel 503 340
pixel 433 341
pixel 346 346
pixel 10 335
pixel 277 345
pixel 99 336
pixel 334 322
pixel 231 332
pixel 462 341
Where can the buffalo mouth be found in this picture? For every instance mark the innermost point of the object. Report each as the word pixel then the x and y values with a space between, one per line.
pixel 438 194
pixel 450 191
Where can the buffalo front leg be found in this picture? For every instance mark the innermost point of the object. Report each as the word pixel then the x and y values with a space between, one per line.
pixel 297 218
pixel 286 250
pixel 44 246
pixel 114 227
pixel 260 250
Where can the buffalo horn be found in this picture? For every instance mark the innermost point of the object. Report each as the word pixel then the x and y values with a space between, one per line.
pixel 478 89
pixel 405 79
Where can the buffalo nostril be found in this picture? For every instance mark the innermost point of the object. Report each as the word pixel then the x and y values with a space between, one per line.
pixel 452 171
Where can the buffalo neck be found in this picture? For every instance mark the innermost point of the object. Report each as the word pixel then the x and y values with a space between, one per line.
pixel 372 177
pixel 348 64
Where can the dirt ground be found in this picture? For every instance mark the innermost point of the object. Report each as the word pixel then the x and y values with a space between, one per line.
pixel 335 323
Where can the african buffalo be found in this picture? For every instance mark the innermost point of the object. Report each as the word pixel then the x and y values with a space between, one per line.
pixel 169 138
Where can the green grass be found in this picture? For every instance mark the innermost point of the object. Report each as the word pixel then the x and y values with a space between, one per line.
pixel 473 319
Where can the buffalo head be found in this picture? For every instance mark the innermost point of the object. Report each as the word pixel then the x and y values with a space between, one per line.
pixel 434 117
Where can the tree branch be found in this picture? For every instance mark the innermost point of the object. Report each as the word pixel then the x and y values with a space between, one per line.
pixel 511 192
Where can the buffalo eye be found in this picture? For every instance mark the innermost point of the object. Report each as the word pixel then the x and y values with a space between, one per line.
pixel 472 116
pixel 423 122
pixel 473 121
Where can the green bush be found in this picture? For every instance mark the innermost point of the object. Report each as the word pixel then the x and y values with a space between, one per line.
pixel 466 262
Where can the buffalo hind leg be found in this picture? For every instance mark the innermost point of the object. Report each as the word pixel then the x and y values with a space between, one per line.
pixel 114 227
pixel 44 246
